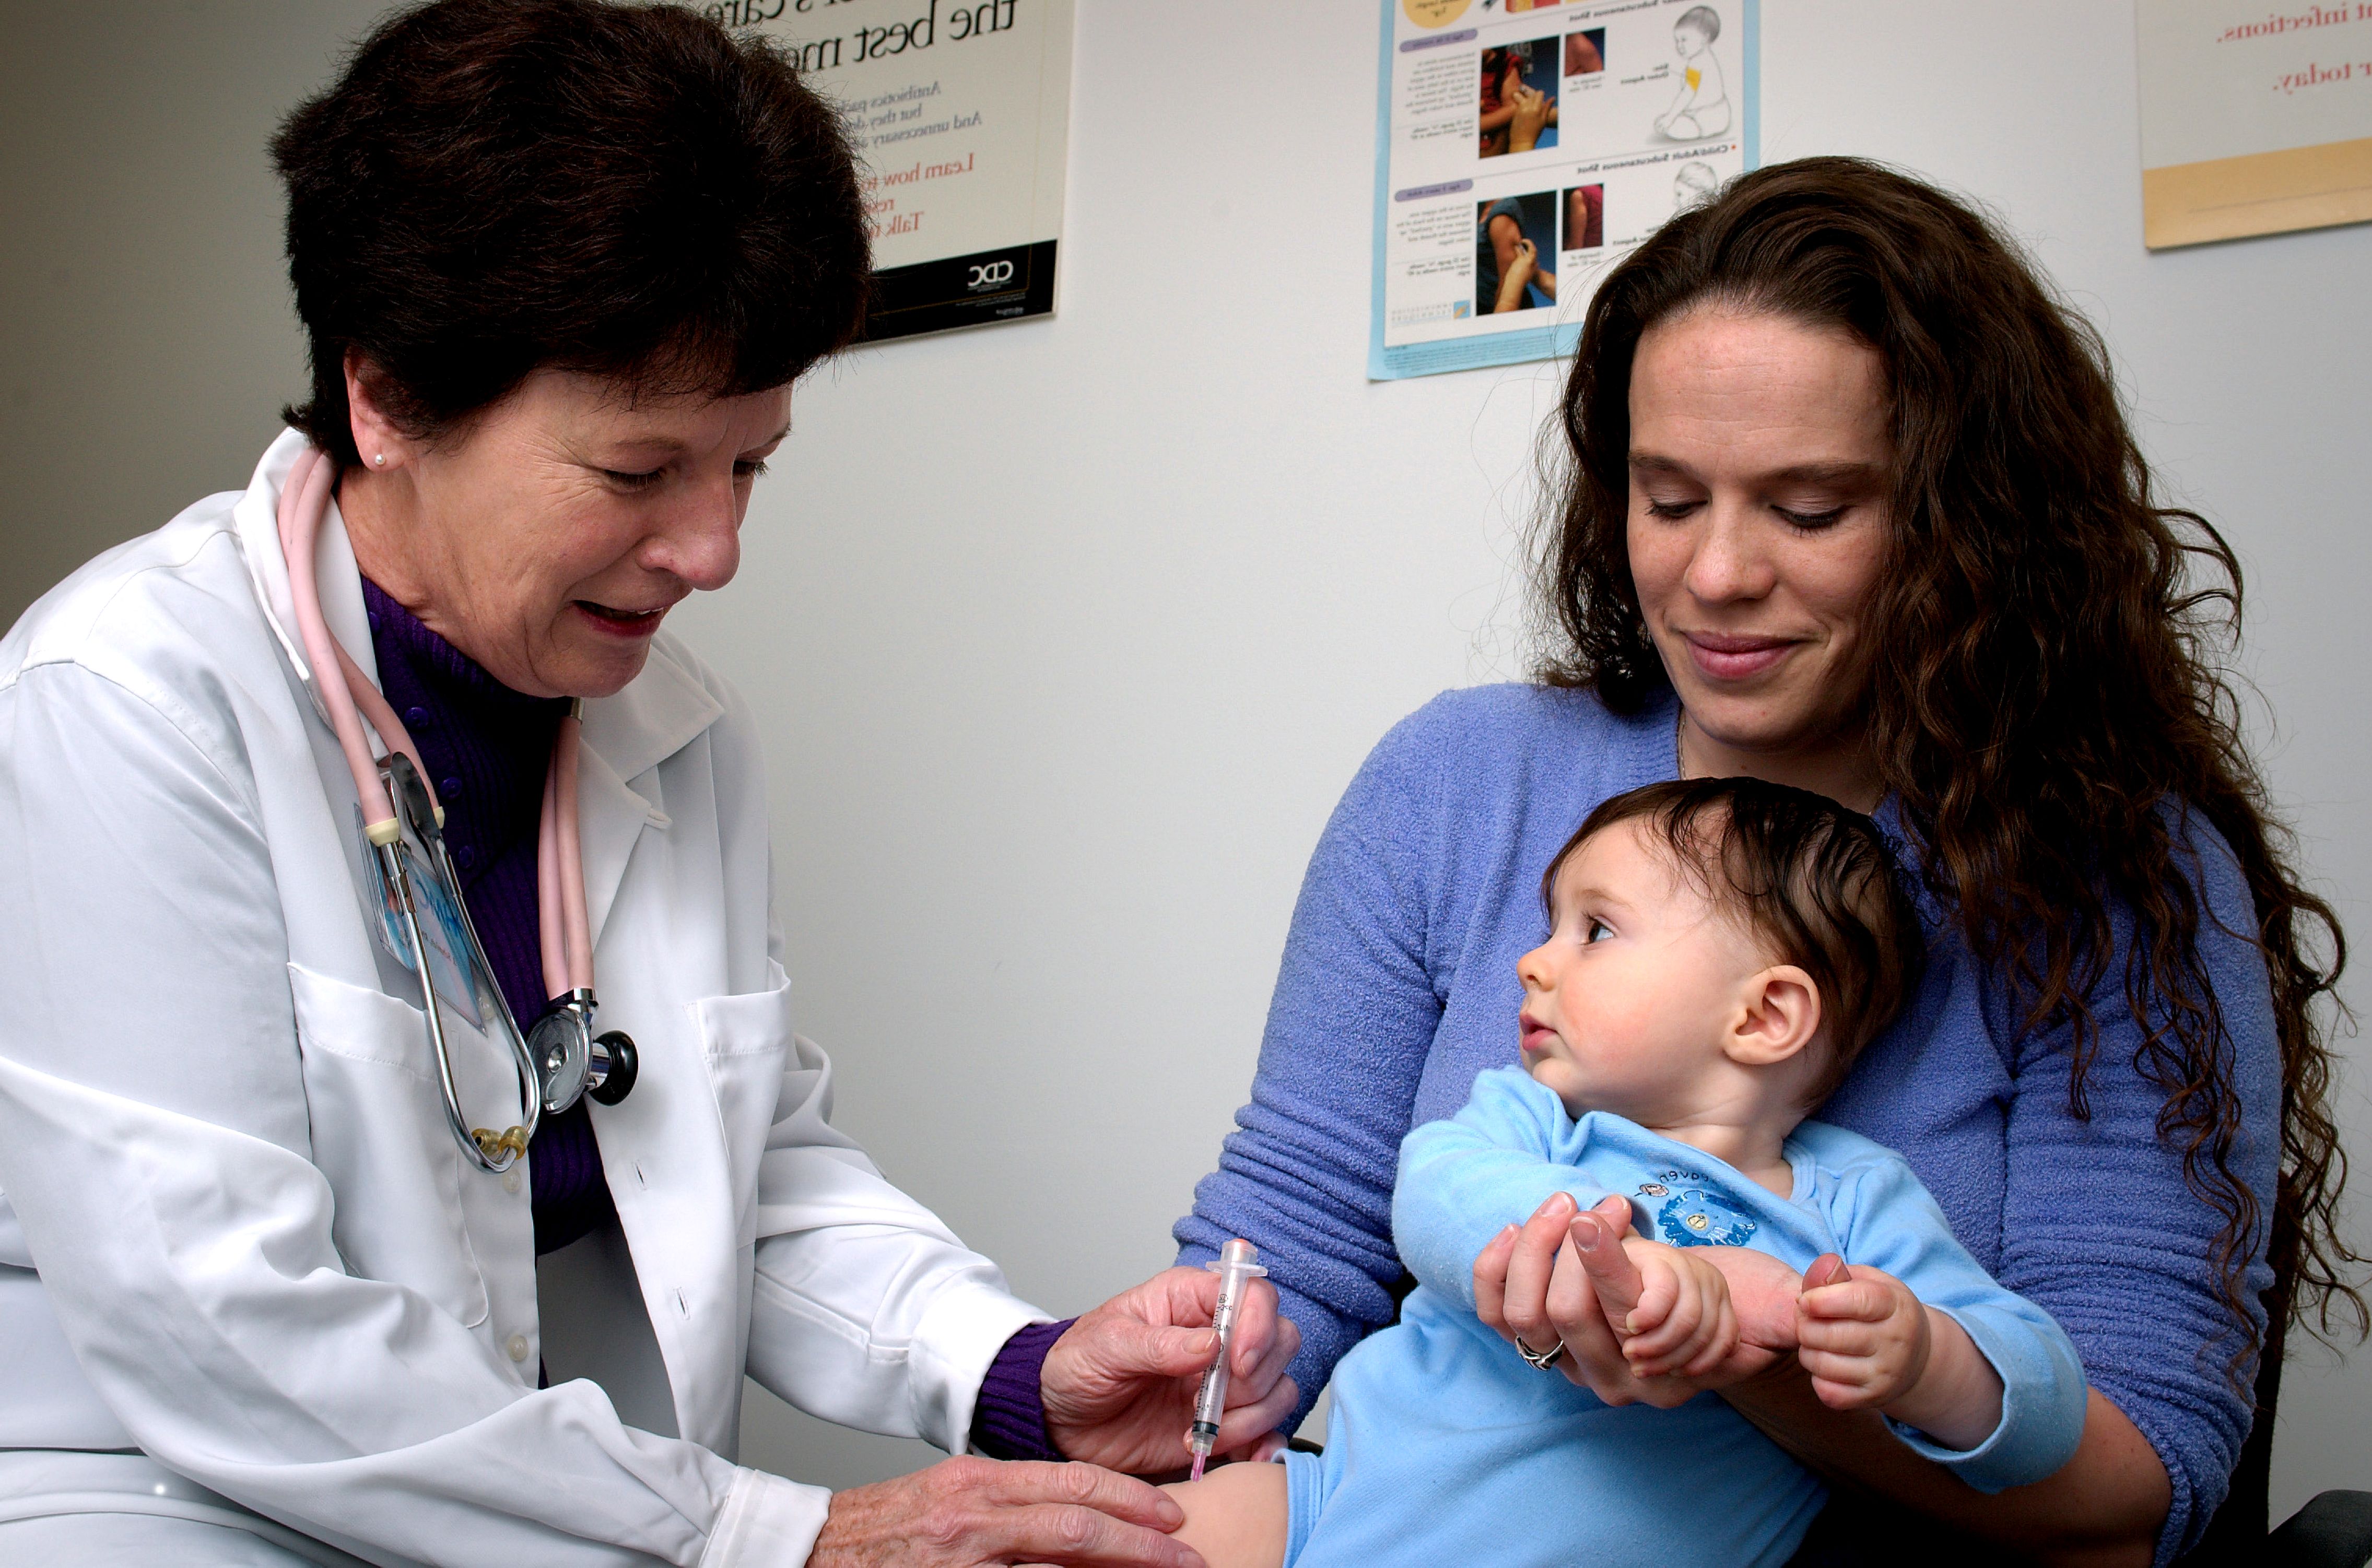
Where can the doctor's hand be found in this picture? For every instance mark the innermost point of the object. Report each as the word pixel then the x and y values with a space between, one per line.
pixel 969 1513
pixel 1118 1385
pixel 1562 1274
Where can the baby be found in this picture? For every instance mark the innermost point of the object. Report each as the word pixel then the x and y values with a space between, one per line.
pixel 1701 108
pixel 1720 951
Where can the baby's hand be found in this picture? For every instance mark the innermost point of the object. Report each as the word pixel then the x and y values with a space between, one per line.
pixel 1866 1340
pixel 1683 1322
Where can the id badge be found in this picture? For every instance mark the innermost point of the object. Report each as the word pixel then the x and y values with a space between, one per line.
pixel 440 924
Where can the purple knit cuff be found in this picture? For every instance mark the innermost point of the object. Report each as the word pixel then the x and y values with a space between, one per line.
pixel 1009 1422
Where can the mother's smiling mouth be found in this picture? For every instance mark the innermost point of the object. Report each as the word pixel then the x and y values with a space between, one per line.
pixel 1721 655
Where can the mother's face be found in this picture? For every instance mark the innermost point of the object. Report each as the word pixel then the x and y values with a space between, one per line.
pixel 1759 464
pixel 548 539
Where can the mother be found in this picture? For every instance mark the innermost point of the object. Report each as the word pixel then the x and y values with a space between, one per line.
pixel 560 263
pixel 1853 506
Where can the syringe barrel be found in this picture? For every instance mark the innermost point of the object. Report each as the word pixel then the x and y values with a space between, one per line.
pixel 1238 1266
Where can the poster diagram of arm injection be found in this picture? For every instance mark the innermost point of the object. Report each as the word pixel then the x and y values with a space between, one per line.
pixel 1523 148
pixel 2254 120
pixel 960 111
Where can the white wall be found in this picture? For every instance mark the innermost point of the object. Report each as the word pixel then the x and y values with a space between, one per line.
pixel 1065 635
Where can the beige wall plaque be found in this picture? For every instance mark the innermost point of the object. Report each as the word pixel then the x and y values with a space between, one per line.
pixel 2256 119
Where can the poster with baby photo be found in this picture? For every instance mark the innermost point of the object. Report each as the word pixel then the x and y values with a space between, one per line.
pixel 1523 151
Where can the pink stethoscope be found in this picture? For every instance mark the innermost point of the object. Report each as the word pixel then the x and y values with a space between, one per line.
pixel 560 1058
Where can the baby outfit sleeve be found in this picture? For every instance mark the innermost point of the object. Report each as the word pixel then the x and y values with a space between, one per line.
pixel 1465 1179
pixel 1886 1220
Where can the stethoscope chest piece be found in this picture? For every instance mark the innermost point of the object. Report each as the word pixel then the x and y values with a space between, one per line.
pixel 571 1061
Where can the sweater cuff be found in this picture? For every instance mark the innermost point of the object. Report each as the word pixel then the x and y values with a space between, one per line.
pixel 1009 1419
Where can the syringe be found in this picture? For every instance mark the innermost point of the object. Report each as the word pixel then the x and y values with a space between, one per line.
pixel 1238 1266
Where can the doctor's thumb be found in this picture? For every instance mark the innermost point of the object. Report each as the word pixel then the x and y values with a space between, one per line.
pixel 1179 1352
pixel 1137 1348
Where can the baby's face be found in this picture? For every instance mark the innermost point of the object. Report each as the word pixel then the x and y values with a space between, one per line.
pixel 1624 1005
pixel 1690 41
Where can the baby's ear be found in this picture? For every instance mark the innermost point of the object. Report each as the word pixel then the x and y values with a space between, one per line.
pixel 1778 1016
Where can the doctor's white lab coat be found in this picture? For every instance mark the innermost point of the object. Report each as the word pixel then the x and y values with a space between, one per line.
pixel 228 1182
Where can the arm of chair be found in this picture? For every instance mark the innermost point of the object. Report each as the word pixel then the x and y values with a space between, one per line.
pixel 2335 1531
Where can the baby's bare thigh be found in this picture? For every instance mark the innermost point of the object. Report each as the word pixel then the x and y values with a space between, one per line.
pixel 1235 1515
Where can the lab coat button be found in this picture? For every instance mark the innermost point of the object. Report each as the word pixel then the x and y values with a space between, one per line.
pixel 518 1347
pixel 510 1181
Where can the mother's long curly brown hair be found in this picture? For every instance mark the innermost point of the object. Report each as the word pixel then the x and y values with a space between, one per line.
pixel 2046 678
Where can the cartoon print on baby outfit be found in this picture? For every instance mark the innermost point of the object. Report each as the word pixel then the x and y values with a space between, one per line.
pixel 1693 1216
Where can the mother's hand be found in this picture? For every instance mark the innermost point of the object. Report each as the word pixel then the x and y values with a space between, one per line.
pixel 1543 1282
pixel 1118 1385
pixel 968 1512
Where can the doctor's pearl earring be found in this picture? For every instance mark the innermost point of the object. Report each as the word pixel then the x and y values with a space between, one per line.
pixel 380 460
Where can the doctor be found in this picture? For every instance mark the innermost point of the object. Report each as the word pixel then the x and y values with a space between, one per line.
pixel 277 1283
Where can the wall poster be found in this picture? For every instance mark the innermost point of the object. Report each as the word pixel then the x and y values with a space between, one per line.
pixel 960 111
pixel 1524 146
pixel 2256 118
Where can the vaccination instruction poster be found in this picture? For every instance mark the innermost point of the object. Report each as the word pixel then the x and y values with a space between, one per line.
pixel 2254 120
pixel 1524 146
pixel 960 113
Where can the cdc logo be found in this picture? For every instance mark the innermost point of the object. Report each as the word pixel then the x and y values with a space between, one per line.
pixel 992 274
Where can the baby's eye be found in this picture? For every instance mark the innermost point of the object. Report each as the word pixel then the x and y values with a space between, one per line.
pixel 1598 929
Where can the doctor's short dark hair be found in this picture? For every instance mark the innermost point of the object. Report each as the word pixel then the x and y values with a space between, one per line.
pixel 497 186
pixel 1814 882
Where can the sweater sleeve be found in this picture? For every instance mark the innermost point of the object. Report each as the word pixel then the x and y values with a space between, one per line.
pixel 1307 1174
pixel 1890 1223
pixel 2101 1230
pixel 1008 1422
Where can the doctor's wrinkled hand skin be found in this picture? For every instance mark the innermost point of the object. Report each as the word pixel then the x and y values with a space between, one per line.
pixel 1120 1384
pixel 1559 1274
pixel 970 1512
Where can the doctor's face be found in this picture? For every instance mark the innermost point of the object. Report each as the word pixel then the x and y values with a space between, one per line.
pixel 548 536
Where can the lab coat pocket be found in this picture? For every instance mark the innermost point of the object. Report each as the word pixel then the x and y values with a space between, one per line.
pixel 743 1039
pixel 381 1137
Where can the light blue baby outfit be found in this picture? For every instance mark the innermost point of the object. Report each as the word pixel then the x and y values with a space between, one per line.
pixel 1443 1447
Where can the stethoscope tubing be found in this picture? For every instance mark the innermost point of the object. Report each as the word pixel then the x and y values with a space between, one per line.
pixel 349 697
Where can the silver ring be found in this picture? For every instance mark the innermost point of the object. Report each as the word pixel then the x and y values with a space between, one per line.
pixel 1545 1360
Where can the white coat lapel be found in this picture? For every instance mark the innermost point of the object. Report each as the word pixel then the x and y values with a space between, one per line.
pixel 257 516
pixel 660 712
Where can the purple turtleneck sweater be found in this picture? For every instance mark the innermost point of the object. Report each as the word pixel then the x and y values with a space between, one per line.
pixel 487 749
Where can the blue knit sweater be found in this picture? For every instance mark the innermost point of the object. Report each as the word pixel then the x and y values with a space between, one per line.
pixel 1398 985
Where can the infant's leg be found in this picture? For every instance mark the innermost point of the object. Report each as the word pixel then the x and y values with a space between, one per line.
pixel 1235 1515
